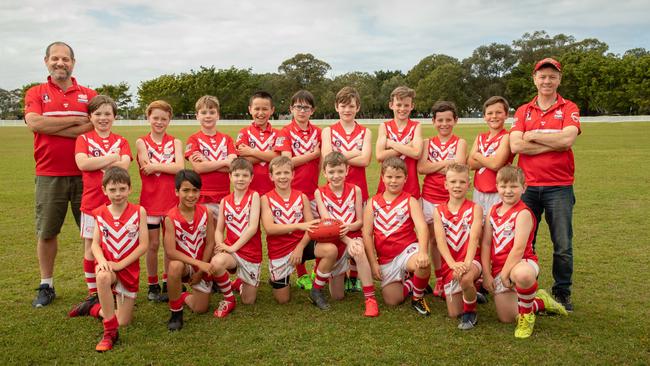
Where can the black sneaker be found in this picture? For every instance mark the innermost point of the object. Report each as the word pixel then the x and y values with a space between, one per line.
pixel 175 321
pixel 83 308
pixel 44 297
pixel 481 298
pixel 467 321
pixel 163 297
pixel 420 305
pixel 154 293
pixel 428 290
pixel 565 300
pixel 317 298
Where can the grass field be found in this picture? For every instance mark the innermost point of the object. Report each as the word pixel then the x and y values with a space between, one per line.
pixel 609 326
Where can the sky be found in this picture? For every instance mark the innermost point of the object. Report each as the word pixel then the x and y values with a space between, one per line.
pixel 134 40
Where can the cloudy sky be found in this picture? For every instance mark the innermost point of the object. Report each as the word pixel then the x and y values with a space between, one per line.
pixel 136 40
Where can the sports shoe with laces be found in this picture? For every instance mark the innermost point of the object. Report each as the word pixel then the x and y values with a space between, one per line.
pixel 468 321
pixel 550 305
pixel 565 300
pixel 372 308
pixel 83 308
pixel 525 325
pixel 154 293
pixel 225 308
pixel 482 296
pixel 420 305
pixel 304 282
pixel 317 298
pixel 45 296
pixel 107 342
pixel 175 321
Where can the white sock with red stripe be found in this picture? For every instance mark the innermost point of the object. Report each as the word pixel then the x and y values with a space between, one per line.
pixel 224 284
pixel 89 274
pixel 321 279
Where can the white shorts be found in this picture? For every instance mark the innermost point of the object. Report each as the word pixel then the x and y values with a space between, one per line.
pixel 248 272
pixel 499 288
pixel 486 200
pixel 395 270
pixel 155 220
pixel 280 268
pixel 427 210
pixel 453 286
pixel 314 209
pixel 214 208
pixel 119 289
pixel 203 285
pixel 87 226
pixel 342 265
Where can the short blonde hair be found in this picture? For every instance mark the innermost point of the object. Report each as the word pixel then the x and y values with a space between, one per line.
pixel 347 95
pixel 402 92
pixel 458 168
pixel 207 101
pixel 279 161
pixel 509 174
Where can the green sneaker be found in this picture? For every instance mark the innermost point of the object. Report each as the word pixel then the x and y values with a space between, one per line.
pixel 304 282
pixel 525 325
pixel 550 305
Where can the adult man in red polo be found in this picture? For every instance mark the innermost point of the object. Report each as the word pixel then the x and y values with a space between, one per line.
pixel 542 134
pixel 56 112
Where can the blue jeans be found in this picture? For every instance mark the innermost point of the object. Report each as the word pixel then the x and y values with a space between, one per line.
pixel 556 202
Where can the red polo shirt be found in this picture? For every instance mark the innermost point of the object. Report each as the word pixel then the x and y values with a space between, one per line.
pixel 54 155
pixel 553 168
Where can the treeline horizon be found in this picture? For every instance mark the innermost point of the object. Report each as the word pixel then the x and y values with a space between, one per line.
pixel 598 81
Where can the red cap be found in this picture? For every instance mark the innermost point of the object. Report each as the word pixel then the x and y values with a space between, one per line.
pixel 548 61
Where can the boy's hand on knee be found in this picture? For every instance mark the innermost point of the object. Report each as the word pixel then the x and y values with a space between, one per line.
pixel 376 273
pixel 422 260
pixel 488 282
pixel 296 256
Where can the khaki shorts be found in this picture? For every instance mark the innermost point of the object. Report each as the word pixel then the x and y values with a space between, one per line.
pixel 52 195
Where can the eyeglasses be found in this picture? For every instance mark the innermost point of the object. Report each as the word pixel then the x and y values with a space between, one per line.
pixel 302 108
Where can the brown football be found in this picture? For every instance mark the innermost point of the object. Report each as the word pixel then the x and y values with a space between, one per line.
pixel 326 231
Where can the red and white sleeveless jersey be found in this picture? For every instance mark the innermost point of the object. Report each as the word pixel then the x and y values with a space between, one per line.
pixel 91 144
pixel 405 136
pixel 119 236
pixel 300 142
pixel 237 217
pixel 393 227
pixel 503 235
pixel 262 140
pixel 343 142
pixel 457 229
pixel 433 188
pixel 190 236
pixel 341 207
pixel 157 194
pixel 216 185
pixel 285 211
pixel 485 179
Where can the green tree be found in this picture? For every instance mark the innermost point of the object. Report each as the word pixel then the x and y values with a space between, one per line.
pixel 305 70
pixel 120 94
pixel 426 66
pixel 487 68
pixel 446 82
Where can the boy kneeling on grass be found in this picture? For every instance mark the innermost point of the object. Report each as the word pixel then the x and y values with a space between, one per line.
pixel 120 238
pixel 508 259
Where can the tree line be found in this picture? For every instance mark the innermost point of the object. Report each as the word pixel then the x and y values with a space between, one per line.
pixel 600 82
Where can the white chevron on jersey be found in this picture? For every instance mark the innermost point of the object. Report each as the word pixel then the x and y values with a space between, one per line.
pixel 503 234
pixel 388 221
pixel 120 241
pixel 290 215
pixel 302 147
pixel 457 234
pixel 163 157
pixel 341 212
pixel 266 145
pixel 347 145
pixel 101 149
pixel 237 222
pixel 404 140
pixel 219 153
pixel 439 154
pixel 192 242
pixel 486 149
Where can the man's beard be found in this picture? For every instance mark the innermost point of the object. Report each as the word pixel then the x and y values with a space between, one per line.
pixel 60 77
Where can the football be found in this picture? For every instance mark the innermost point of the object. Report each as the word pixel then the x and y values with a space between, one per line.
pixel 326 231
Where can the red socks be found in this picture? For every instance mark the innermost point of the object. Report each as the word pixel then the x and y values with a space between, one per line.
pixel 177 305
pixel 369 291
pixel 526 298
pixel 419 285
pixel 152 280
pixel 321 279
pixel 301 270
pixel 94 310
pixel 469 306
pixel 223 282
pixel 89 274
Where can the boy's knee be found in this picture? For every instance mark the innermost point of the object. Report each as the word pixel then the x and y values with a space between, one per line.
pixel 103 277
pixel 175 269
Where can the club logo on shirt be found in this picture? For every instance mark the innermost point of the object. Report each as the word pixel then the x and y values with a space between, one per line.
pixel 206 152
pixel 252 144
pixel 558 114
pixel 203 229
pixel 337 143
pixel 229 217
pixel 132 230
pixel 298 214
pixel 277 213
pixel 95 152
pixel 82 98
pixel 296 144
pixel 46 98
pixel 528 117
pixel 104 231
pixel 575 117
pixel 280 141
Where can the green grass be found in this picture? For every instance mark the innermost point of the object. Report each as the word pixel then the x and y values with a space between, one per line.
pixel 609 326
